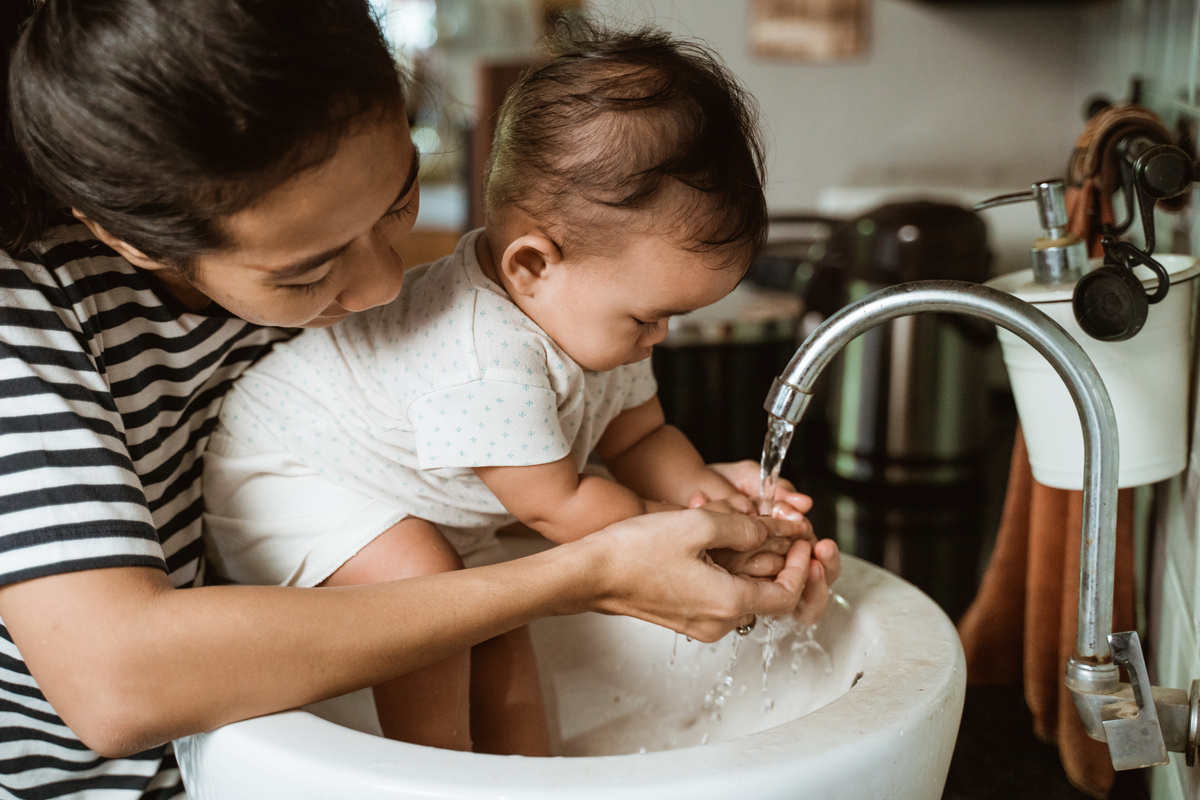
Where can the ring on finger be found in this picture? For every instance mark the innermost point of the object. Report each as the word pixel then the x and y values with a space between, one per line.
pixel 744 630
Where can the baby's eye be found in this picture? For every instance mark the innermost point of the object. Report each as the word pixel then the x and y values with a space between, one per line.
pixel 644 324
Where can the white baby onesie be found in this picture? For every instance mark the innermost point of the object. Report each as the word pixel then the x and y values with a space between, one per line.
pixel 393 407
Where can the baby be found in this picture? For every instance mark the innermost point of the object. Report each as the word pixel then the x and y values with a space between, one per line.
pixel 625 187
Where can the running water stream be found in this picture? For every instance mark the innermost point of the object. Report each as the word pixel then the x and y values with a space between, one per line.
pixel 775 447
pixel 774 630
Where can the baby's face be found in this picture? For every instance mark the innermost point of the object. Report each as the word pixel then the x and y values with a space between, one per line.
pixel 605 311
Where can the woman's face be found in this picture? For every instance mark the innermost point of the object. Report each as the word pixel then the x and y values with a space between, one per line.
pixel 319 246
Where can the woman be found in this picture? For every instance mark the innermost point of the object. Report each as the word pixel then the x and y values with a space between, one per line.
pixel 183 176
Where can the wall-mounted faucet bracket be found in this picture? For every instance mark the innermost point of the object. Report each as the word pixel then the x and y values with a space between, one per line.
pixel 1131 726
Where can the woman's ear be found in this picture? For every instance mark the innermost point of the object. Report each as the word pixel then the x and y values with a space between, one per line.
pixel 526 262
pixel 126 250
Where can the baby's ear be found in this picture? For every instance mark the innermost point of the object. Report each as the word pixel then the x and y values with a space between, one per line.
pixel 526 262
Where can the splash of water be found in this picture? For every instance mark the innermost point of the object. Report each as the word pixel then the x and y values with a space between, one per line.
pixel 774 635
pixel 773 629
pixel 769 649
pixel 714 699
pixel 807 643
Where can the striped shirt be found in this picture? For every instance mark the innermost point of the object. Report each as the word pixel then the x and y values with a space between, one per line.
pixel 109 388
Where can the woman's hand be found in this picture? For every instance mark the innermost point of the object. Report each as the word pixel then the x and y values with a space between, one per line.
pixel 763 562
pixel 656 568
pixel 825 560
pixel 746 476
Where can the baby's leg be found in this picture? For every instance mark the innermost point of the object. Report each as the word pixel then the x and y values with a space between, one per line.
pixel 507 714
pixel 428 706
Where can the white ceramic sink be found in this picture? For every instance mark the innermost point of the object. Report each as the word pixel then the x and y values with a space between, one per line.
pixel 879 722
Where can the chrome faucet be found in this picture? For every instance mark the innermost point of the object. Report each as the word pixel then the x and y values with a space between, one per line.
pixel 1140 722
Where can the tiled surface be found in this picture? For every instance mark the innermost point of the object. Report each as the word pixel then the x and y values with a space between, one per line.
pixel 1163 36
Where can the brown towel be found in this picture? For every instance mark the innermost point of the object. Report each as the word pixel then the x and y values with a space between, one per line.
pixel 1021 625
pixel 1094 171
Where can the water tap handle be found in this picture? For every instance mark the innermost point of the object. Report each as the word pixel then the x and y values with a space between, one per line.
pixel 1131 726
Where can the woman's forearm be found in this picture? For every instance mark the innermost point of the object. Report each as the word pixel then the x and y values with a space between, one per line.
pixel 128 662
pixel 132 662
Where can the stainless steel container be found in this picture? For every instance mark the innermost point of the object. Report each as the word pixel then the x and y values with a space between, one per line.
pixel 907 400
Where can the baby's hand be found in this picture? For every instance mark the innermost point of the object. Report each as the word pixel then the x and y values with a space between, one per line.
pixel 823 569
pixel 730 504
pixel 764 562
pixel 768 559
pixel 746 477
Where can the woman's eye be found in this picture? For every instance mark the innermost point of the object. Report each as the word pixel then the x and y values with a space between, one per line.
pixel 402 210
pixel 309 288
pixel 645 325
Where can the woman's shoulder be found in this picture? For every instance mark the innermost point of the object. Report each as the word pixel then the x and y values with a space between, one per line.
pixel 68 259
pixel 69 286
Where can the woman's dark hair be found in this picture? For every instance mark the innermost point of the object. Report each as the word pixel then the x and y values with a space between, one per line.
pixel 158 118
pixel 612 120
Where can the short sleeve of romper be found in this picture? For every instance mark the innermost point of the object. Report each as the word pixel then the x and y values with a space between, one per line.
pixel 502 392
pixel 509 418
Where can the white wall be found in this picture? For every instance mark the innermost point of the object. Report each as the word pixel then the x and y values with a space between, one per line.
pixel 968 94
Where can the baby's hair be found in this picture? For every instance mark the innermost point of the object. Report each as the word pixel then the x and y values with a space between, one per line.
pixel 159 118
pixel 621 120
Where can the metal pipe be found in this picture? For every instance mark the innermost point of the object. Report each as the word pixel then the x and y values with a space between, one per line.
pixel 791 391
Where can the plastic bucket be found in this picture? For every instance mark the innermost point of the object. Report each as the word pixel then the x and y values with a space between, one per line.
pixel 1147 378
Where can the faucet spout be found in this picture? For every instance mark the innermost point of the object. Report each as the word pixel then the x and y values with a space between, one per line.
pixel 793 389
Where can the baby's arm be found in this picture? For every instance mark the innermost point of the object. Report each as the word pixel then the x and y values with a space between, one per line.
pixel 658 461
pixel 559 503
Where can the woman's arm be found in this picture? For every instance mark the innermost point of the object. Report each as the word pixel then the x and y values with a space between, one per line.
pixel 129 662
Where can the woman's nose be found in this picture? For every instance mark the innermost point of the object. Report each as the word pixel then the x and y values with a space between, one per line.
pixel 375 279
